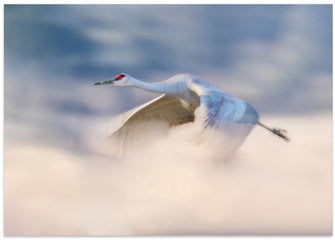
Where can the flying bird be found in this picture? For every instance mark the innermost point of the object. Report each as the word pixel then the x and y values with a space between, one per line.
pixel 187 99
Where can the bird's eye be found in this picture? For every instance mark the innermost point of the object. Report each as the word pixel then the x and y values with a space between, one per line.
pixel 118 77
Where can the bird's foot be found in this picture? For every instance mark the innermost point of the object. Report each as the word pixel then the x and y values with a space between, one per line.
pixel 281 133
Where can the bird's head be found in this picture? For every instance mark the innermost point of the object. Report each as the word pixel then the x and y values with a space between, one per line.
pixel 121 79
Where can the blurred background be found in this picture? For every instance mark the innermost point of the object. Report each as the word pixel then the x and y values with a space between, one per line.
pixel 276 57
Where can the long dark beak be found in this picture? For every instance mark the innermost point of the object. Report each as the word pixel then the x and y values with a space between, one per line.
pixel 104 82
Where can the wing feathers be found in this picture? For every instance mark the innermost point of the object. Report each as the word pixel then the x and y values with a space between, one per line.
pixel 149 120
pixel 218 109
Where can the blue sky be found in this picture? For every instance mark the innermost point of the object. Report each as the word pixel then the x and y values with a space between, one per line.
pixel 276 57
pixel 99 40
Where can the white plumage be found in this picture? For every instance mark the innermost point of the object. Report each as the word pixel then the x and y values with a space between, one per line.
pixel 186 98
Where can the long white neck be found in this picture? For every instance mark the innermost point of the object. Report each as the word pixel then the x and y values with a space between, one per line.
pixel 170 88
pixel 176 87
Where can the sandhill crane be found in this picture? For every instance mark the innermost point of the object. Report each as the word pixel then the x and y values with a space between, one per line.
pixel 186 98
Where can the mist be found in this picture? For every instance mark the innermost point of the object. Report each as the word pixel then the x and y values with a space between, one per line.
pixel 174 188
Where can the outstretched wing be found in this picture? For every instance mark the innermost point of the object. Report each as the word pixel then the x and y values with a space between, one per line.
pixel 220 109
pixel 227 119
pixel 149 120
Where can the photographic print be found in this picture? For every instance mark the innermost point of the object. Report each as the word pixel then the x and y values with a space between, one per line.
pixel 167 120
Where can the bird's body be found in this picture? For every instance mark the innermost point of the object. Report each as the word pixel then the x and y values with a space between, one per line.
pixel 186 98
